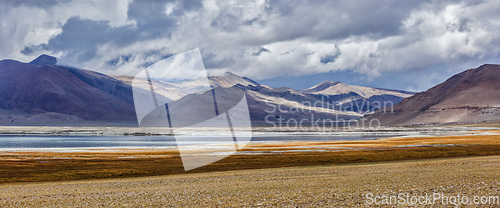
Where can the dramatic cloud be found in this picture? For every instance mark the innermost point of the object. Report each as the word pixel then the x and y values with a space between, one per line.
pixel 409 45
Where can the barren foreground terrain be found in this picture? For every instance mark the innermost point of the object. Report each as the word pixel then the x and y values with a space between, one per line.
pixel 325 186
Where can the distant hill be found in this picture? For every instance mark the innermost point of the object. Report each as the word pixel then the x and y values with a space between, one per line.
pixel 337 88
pixel 470 96
pixel 268 104
pixel 42 92
pixel 44 60
pixel 35 89
pixel 365 99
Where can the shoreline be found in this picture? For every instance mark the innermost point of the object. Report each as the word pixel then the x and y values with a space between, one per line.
pixel 257 131
pixel 405 140
pixel 32 166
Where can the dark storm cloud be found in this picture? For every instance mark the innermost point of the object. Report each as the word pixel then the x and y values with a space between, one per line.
pixel 31 49
pixel 261 50
pixel 211 60
pixel 270 39
pixel 151 19
pixel 149 13
pixel 226 22
pixel 319 20
pixel 284 8
pixel 368 18
pixel 327 20
pixel 81 38
pixel 330 58
pixel 32 3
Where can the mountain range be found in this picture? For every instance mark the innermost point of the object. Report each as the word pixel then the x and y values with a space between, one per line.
pixel 468 97
pixel 42 92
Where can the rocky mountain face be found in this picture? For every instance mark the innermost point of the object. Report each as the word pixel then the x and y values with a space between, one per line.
pixel 279 105
pixel 44 60
pixel 43 92
pixel 357 98
pixel 42 88
pixel 468 97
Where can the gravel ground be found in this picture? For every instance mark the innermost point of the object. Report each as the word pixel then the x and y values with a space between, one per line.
pixel 325 186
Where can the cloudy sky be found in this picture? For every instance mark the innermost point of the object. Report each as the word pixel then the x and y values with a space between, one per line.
pixel 407 45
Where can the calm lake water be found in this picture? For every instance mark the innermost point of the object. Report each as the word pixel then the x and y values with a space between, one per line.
pixel 30 141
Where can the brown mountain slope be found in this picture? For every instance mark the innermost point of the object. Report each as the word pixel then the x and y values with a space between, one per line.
pixel 41 92
pixel 36 89
pixel 470 96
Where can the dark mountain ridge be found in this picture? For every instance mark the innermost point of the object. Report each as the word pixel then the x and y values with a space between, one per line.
pixel 37 89
pixel 470 96
pixel 43 92
pixel 44 60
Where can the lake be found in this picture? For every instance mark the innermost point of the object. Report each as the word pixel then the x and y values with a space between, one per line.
pixel 44 141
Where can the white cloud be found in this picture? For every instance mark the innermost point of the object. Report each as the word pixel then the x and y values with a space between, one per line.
pixel 24 25
pixel 302 38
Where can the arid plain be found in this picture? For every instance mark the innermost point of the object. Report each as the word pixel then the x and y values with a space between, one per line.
pixel 289 174
pixel 311 186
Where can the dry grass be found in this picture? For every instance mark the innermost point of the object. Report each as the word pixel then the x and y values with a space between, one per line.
pixel 54 166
